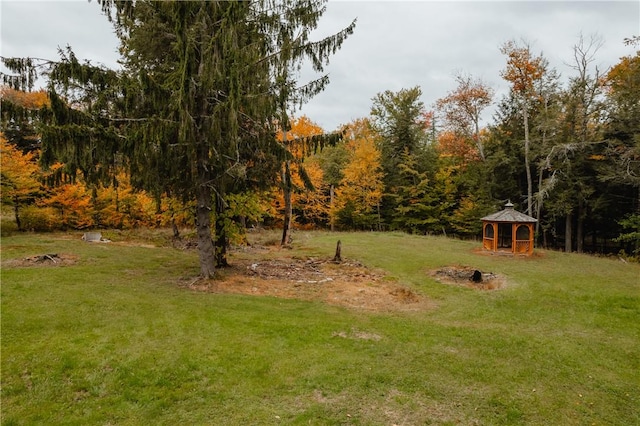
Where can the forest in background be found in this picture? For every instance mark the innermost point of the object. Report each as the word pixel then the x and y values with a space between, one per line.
pixel 565 151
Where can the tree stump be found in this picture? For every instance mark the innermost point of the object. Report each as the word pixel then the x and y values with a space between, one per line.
pixel 476 277
pixel 338 256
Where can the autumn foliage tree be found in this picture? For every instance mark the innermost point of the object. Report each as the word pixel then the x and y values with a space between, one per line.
pixel 462 109
pixel 524 69
pixel 301 181
pixel 20 112
pixel 21 178
pixel 360 192
pixel 191 114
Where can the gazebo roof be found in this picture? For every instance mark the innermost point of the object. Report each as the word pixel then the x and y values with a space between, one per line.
pixel 509 215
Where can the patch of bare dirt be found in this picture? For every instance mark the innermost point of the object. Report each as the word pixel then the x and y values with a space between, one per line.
pixel 356 334
pixel 43 260
pixel 347 283
pixel 469 277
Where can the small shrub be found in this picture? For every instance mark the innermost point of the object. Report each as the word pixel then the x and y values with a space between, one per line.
pixel 8 226
pixel 39 219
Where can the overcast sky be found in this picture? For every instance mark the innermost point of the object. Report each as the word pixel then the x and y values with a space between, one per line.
pixel 396 44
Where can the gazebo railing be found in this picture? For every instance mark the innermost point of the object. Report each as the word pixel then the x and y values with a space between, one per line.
pixel 522 246
pixel 487 243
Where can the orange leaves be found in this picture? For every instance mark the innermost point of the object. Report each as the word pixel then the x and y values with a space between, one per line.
pixel 27 100
pixel 71 205
pixel 463 107
pixel 72 202
pixel 467 101
pixel 452 145
pixel 523 68
pixel 301 128
pixel 297 174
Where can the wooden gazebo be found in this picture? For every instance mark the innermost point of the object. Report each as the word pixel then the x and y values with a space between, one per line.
pixel 508 231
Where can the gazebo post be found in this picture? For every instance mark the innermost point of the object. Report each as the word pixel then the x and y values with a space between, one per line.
pixel 494 225
pixel 531 239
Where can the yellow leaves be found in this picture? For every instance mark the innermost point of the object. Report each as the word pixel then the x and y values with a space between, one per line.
pixel 624 74
pixel 362 176
pixel 314 203
pixel 20 172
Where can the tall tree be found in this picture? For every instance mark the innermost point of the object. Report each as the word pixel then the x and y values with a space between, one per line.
pixel 292 27
pixel 360 191
pixel 20 174
pixel 582 140
pixel 523 70
pixel 622 132
pixel 332 161
pixel 192 112
pixel 622 85
pixel 463 107
pixel 401 121
pixel 546 124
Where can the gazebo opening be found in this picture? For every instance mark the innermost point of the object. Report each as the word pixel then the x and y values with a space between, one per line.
pixel 508 231
pixel 504 235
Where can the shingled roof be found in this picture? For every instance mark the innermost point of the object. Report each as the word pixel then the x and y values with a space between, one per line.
pixel 509 215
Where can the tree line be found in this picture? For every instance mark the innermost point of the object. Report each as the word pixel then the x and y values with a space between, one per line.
pixel 198 129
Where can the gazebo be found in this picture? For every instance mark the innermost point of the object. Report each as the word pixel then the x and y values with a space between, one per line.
pixel 508 231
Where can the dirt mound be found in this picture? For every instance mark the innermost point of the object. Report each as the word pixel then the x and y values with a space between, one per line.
pixel 348 283
pixel 43 260
pixel 468 277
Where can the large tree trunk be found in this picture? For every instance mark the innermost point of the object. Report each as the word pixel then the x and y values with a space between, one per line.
pixel 568 232
pixel 206 250
pixel 331 218
pixel 539 204
pixel 222 239
pixel 16 212
pixel 580 228
pixel 288 208
pixel 525 114
pixel 476 136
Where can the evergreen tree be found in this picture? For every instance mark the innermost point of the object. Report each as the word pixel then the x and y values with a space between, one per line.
pixel 400 120
pixel 422 203
pixel 621 171
pixel 192 112
pixel 581 137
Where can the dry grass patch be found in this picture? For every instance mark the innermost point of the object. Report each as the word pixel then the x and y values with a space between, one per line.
pixel 349 283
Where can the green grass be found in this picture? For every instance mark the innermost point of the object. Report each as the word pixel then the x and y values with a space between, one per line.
pixel 114 339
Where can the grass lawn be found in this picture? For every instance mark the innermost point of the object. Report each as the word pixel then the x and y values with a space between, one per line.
pixel 115 339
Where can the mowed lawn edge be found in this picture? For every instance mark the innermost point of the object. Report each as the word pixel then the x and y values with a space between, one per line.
pixel 116 338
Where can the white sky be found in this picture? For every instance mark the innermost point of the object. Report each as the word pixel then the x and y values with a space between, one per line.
pixel 396 44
